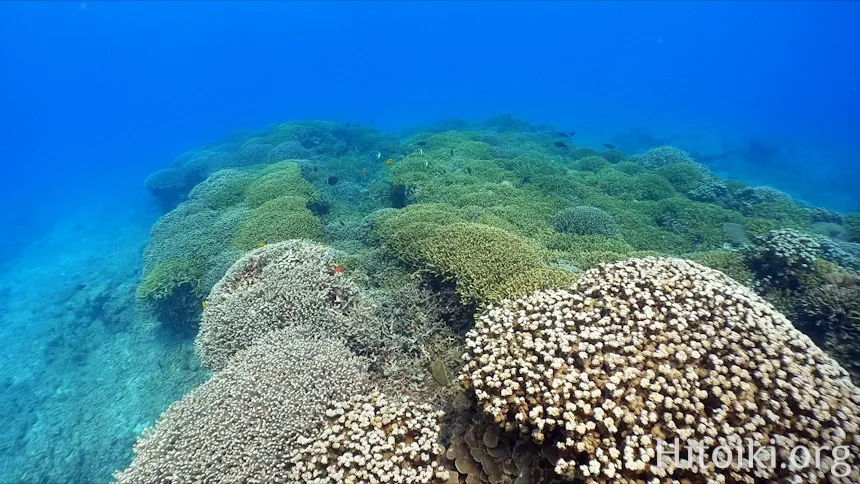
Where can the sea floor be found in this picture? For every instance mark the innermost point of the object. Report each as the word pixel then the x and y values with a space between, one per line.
pixel 82 371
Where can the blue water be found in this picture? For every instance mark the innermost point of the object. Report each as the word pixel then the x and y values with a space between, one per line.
pixel 96 95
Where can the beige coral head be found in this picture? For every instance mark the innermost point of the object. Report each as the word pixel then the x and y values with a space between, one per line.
pixel 649 349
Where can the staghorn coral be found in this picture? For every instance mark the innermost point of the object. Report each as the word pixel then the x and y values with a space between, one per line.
pixel 371 438
pixel 240 425
pixel 584 220
pixel 654 348
pixel 285 284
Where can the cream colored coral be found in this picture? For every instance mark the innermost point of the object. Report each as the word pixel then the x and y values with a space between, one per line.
pixel 372 439
pixel 240 425
pixel 288 284
pixel 651 349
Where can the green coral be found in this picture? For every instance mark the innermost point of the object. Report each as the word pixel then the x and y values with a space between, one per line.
pixel 279 180
pixel 584 220
pixel 684 176
pixel 701 224
pixel 490 264
pixel 617 184
pixel 167 277
pixel 487 263
pixel 280 219
pixel 591 163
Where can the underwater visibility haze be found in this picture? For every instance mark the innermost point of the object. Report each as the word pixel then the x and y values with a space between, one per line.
pixel 427 242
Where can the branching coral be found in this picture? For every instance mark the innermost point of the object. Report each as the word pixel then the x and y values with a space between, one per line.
pixel 282 218
pixel 584 220
pixel 289 284
pixel 240 425
pixel 488 263
pixel 662 156
pixel 650 349
pixel 782 258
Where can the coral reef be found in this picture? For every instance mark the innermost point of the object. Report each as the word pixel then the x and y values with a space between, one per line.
pixel 481 453
pixel 589 345
pixel 782 258
pixel 662 156
pixel 239 425
pixel 650 349
pixel 372 438
pixel 487 263
pixel 830 314
pixel 585 221
pixel 289 284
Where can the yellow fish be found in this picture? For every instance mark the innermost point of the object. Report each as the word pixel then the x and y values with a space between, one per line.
pixel 261 244
pixel 204 304
pixel 325 246
pixel 389 162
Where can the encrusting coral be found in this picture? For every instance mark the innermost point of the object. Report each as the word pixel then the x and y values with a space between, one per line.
pixel 240 425
pixel 656 348
pixel 372 439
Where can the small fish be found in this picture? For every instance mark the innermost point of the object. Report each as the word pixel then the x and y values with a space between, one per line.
pixel 357 125
pixel 371 121
pixel 325 246
pixel 261 244
pixel 204 304
pixel 338 269
pixel 611 147
pixel 421 143
pixel 572 133
pixel 80 286
pixel 563 134
pixel 347 124
pixel 452 151
pixel 378 155
pixel 364 172
pixel 332 180
pixel 469 171
pixel 389 162
pixel 316 169
pixel 561 144
pixel 420 151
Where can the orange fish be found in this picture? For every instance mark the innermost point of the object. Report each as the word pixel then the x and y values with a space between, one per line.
pixel 389 162
pixel 338 269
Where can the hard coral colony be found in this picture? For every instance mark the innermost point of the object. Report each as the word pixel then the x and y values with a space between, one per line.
pixel 556 282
